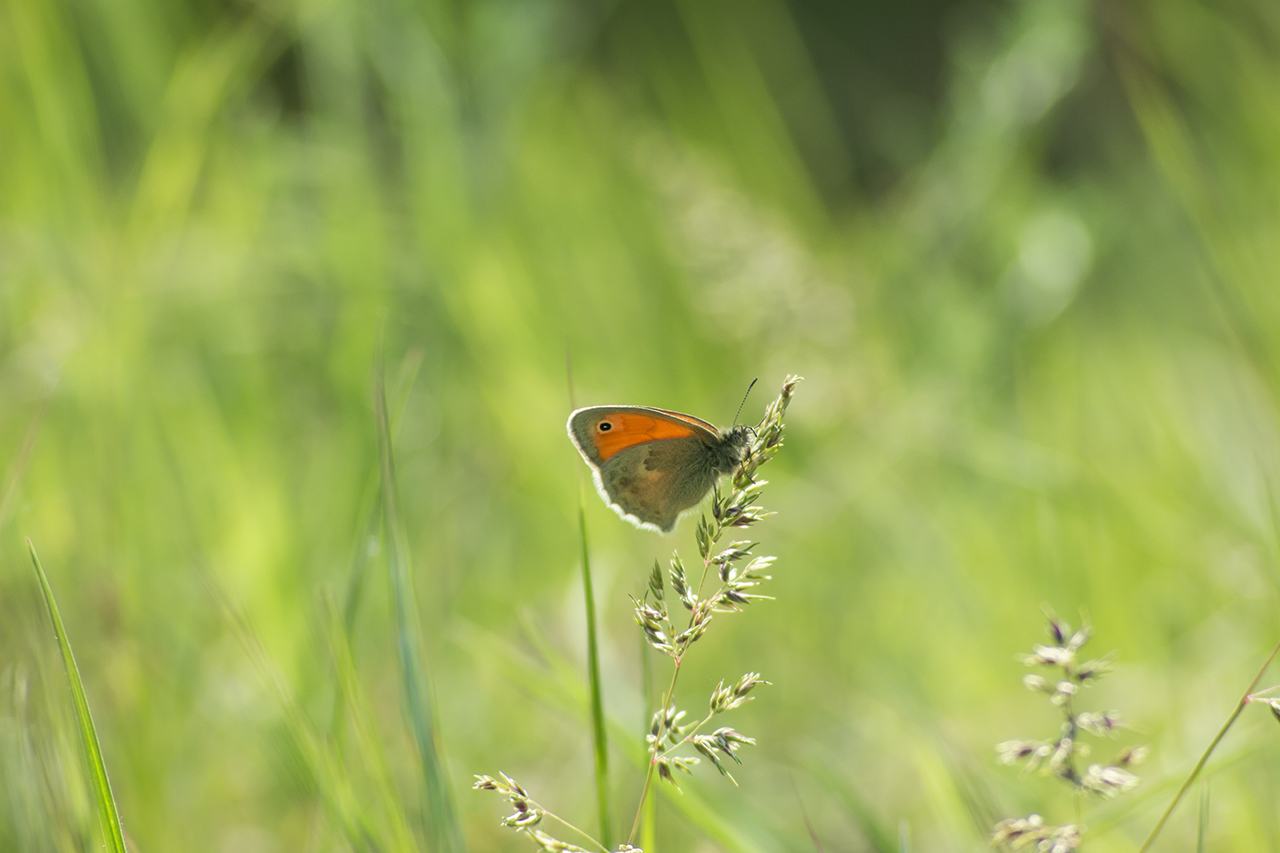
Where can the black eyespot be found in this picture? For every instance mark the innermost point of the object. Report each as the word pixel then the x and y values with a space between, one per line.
pixel 604 426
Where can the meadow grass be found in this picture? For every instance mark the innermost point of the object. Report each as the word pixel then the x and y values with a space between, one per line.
pixel 447 836
pixel 599 731
pixel 599 728
pixel 1023 252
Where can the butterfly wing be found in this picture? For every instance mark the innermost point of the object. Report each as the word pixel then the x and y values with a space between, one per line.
pixel 649 465
pixel 600 432
pixel 651 485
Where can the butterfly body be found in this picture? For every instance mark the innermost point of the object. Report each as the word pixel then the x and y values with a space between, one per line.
pixel 651 465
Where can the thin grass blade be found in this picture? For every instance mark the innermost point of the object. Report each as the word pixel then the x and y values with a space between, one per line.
pixel 108 814
pixel 371 752
pixel 649 818
pixel 599 730
pixel 417 699
pixel 333 786
pixel 880 837
pixel 1202 823
pixel 372 498
pixel 1213 744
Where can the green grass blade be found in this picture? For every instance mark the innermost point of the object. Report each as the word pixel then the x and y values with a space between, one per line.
pixel 371 500
pixel 108 814
pixel 350 695
pixel 1202 823
pixel 598 727
pixel 448 835
pixel 372 497
pixel 880 837
pixel 332 784
pixel 361 557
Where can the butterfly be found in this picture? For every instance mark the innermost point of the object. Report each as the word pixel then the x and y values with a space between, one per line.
pixel 652 466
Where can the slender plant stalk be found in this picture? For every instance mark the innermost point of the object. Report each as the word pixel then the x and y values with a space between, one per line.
pixel 804 814
pixel 1202 827
pixel 349 694
pixel 371 500
pixel 600 733
pixel 372 493
pixel 417 698
pixel 599 729
pixel 360 560
pixel 584 834
pixel 108 814
pixel 1195 771
pixel 648 819
pixel 867 819
pixel 668 701
pixel 333 785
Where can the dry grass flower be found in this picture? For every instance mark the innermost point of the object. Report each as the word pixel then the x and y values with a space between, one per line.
pixel 1062 755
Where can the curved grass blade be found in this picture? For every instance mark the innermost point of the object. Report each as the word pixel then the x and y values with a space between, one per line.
pixel 108 814
pixel 417 698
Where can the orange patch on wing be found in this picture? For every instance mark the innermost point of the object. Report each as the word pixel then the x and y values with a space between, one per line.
pixel 630 429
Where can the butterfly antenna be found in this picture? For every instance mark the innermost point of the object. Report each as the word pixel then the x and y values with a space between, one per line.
pixel 744 399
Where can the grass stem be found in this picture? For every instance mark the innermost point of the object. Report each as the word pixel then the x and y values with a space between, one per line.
pixel 600 739
pixel 448 835
pixel 599 728
pixel 667 700
pixel 1195 771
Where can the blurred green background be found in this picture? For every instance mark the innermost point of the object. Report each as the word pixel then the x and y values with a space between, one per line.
pixel 1023 251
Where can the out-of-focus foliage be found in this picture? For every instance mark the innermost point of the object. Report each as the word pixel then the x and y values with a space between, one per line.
pixel 1024 253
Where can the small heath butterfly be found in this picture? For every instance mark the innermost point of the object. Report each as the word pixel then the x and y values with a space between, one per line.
pixel 650 465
